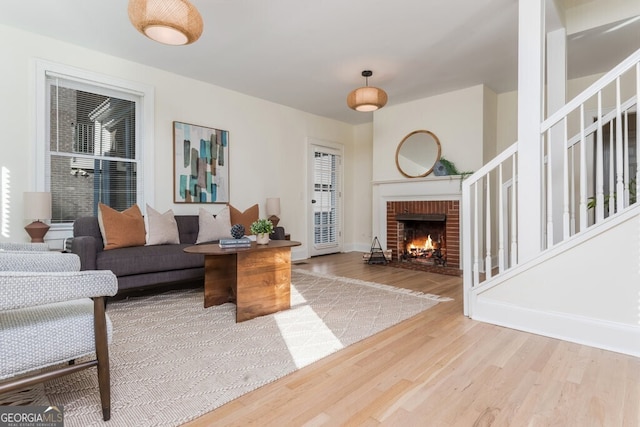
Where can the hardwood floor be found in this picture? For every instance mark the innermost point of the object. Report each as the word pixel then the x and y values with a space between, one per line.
pixel 441 369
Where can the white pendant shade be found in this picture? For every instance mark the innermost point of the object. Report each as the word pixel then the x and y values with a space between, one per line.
pixel 172 22
pixel 166 35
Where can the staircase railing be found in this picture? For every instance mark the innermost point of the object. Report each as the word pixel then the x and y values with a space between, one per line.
pixel 590 173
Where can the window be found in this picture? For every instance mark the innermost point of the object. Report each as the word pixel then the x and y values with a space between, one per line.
pixel 93 137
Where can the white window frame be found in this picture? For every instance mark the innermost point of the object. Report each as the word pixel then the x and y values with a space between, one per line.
pixel 144 138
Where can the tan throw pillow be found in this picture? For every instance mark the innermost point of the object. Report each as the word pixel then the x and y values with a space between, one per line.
pixel 162 229
pixel 245 218
pixel 210 228
pixel 121 229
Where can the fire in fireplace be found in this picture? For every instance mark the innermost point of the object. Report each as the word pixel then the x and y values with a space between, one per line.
pixel 423 238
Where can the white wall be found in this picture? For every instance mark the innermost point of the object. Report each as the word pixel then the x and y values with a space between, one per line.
pixel 268 142
pixel 599 279
pixel 456 118
pixel 586 291
pixel 489 124
pixel 591 14
pixel 358 217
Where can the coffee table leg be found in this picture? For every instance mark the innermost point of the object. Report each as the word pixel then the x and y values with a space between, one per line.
pixel 263 282
pixel 219 279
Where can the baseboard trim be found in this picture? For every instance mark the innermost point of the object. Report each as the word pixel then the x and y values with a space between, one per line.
pixel 298 253
pixel 357 247
pixel 617 337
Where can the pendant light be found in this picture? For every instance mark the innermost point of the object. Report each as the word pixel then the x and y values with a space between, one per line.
pixel 172 22
pixel 367 98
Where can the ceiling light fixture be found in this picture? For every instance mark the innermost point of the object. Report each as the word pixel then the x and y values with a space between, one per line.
pixel 367 98
pixel 172 22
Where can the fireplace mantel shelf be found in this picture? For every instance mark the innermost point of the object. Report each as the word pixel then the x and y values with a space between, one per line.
pixel 417 180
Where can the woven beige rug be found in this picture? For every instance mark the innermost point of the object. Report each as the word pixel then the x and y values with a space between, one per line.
pixel 172 360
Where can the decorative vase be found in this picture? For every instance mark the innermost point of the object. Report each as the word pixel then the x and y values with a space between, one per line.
pixel 237 231
pixel 439 169
pixel 262 238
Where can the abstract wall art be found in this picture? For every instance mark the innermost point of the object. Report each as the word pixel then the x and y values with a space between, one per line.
pixel 200 164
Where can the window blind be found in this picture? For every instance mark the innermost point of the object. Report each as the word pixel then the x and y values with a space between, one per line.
pixel 92 155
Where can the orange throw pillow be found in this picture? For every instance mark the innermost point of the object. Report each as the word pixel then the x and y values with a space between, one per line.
pixel 121 229
pixel 245 218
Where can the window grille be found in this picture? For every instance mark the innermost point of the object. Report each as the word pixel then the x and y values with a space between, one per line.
pixel 92 154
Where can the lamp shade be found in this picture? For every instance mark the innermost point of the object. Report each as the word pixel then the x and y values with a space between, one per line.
pixel 172 22
pixel 367 98
pixel 37 205
pixel 273 206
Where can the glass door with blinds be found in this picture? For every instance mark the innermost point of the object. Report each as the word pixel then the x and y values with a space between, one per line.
pixel 92 153
pixel 326 202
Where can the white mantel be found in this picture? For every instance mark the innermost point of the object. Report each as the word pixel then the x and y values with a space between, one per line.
pixel 419 189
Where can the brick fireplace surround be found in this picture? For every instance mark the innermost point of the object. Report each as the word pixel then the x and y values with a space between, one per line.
pixel 451 208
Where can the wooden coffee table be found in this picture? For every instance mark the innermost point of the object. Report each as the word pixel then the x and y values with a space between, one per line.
pixel 257 279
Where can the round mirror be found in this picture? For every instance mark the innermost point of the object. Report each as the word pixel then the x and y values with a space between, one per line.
pixel 417 154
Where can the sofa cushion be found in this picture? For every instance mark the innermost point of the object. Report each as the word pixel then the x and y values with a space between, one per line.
pixel 121 229
pixel 188 228
pixel 213 228
pixel 147 259
pixel 245 218
pixel 162 229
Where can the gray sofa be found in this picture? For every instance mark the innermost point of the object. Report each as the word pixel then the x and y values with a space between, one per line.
pixel 140 266
pixel 144 266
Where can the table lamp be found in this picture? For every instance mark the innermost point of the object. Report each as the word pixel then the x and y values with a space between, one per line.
pixel 37 205
pixel 273 210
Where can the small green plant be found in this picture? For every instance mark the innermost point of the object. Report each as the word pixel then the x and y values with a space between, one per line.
pixel 632 196
pixel 452 169
pixel 262 226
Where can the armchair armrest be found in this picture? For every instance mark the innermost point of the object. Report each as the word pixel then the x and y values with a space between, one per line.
pixel 20 289
pixel 35 261
pixel 87 248
pixel 15 246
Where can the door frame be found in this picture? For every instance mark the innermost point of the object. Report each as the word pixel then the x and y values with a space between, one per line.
pixel 312 144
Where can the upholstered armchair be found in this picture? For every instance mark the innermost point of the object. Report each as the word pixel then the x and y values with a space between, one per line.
pixel 51 314
pixel 17 246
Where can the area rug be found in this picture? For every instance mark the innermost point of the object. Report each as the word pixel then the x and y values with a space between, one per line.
pixel 172 360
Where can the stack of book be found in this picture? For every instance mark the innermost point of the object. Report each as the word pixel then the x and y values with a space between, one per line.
pixel 244 242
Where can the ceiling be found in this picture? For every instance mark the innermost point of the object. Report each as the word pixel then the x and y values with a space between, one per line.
pixel 309 54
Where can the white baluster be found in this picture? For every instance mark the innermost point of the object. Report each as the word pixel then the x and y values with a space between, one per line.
pixel 619 152
pixel 599 165
pixel 612 194
pixel 637 128
pixel 466 213
pixel 487 233
pixel 583 173
pixel 500 210
pixel 476 240
pixel 514 213
pixel 565 177
pixel 627 186
pixel 549 191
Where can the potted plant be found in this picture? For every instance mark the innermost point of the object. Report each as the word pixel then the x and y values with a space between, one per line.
pixel 262 228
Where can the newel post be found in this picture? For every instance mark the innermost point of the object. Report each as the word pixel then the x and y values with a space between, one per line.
pixel 530 89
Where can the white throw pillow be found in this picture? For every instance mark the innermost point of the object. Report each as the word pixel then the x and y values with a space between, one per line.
pixel 211 228
pixel 161 228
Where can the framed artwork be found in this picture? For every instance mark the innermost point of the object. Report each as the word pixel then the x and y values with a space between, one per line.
pixel 200 164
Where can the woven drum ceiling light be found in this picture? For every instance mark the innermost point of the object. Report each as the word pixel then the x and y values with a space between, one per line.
pixel 173 22
pixel 367 98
